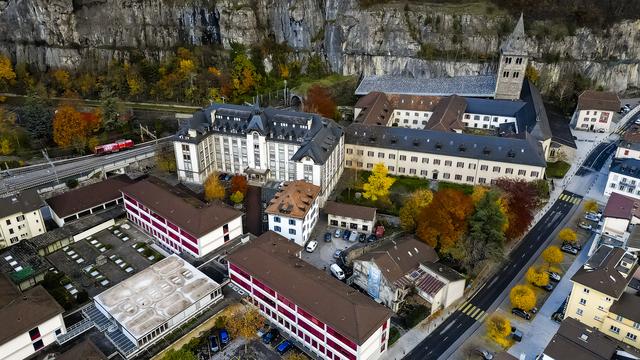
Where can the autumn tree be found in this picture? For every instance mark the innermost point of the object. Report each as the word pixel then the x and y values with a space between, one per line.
pixel 182 354
pixel 213 189
pixel 413 207
pixel 11 135
pixel 552 255
pixel 166 159
pixel 537 276
pixel 444 221
pixel 523 297
pixel 239 184
pixel 295 356
pixel 485 238
pixel 245 324
pixel 378 183
pixel 478 193
pixel 237 197
pixel 7 74
pixel 499 330
pixel 591 206
pixel 61 81
pixel 68 128
pixel 244 78
pixel 319 100
pixel 568 235
pixel 522 200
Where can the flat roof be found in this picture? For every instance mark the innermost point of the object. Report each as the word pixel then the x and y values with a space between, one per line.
pixel 181 208
pixel 294 200
pixel 474 85
pixel 22 311
pixel 23 202
pixel 350 210
pixel 156 294
pixel 273 260
pixel 21 261
pixel 87 197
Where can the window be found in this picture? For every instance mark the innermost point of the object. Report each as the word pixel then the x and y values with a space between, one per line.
pixel 618 318
pixel 292 231
pixel 447 163
pixel 348 162
pixel 484 167
pixel 436 162
pixel 401 170
pixel 585 290
pixel 392 156
pixel 472 166
pixel 614 329
pixel 369 153
pixel 458 177
pixel 505 74
pixel 8 222
pixel 414 159
pixel 381 155
pixel 34 333
pixel 423 172
pixel 425 160
pixel 277 228
pixel 534 174
pixel 518 61
pixel 522 172
pixel 508 171
pixel 369 166
pixel 636 325
pixel 482 180
pixel 403 158
pixel 292 222
pixel 412 171
pixel 446 176
pixel 276 219
pixel 391 168
pixel 583 302
pixel 631 336
pixel 360 152
pixel 460 164
pixel 38 345
pixel 496 169
pixel 579 312
pixel 349 151
pixel 516 74
pixel 470 179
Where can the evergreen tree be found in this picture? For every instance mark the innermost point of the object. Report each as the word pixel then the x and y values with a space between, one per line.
pixel 36 117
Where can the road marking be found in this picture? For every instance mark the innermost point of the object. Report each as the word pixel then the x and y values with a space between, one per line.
pixel 482 317
pixel 468 311
pixel 475 313
pixel 447 327
pixel 466 308
pixel 477 317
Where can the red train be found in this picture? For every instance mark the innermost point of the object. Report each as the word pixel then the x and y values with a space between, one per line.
pixel 113 147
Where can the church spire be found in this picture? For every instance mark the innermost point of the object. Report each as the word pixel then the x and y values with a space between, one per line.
pixel 515 43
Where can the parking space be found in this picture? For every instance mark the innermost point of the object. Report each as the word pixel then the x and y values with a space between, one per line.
pixel 103 259
pixel 325 254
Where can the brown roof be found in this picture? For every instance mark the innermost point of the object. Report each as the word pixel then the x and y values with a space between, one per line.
pixel 603 273
pixel 377 107
pixel 598 100
pixel 21 312
pixel 85 350
pixel 272 259
pixel 413 102
pixel 181 208
pixel 448 114
pixel 577 341
pixel 628 306
pixel 398 257
pixel 622 207
pixel 23 202
pixel 348 210
pixel 294 200
pixel 86 197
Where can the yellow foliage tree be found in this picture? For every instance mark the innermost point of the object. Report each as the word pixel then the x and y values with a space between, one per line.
pixel 591 206
pixel 378 183
pixel 6 147
pixel 523 297
pixel 237 197
pixel 213 189
pixel 61 79
pixel 478 193
pixel 245 324
pixel 552 255
pixel 413 207
pixel 537 276
pixel 499 330
pixel 68 128
pixel 7 74
pixel 295 356
pixel 568 235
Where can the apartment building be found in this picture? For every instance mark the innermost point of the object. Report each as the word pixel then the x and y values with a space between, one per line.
pixel 31 320
pixel 322 315
pixel 436 155
pixel 20 217
pixel 154 302
pixel 604 297
pixel 177 221
pixel 629 145
pixel 351 217
pixel 293 211
pixel 262 143
pixel 595 110
pixel 624 178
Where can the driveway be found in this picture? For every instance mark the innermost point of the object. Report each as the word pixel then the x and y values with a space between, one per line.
pixel 322 257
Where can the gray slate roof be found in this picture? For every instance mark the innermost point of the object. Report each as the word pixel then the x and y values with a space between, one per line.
pixel 23 202
pixel 628 167
pixel 524 151
pixel 473 86
pixel 317 136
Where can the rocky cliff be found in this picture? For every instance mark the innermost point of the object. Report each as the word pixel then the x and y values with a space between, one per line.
pixel 417 39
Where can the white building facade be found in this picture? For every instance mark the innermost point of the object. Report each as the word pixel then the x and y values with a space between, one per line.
pixel 351 217
pixel 624 178
pixel 20 217
pixel 28 343
pixel 293 213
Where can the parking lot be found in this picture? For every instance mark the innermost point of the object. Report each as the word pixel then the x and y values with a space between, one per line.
pixel 99 261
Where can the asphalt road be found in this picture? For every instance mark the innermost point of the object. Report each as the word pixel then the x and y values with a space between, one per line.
pixel 474 310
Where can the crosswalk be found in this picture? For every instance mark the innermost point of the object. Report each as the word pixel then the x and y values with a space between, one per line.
pixel 472 311
pixel 570 198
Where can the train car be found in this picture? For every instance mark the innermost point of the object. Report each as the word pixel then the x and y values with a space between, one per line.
pixel 116 146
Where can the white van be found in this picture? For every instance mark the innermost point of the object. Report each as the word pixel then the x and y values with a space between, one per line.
pixel 337 271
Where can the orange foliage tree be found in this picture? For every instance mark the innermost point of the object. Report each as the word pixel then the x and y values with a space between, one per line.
pixel 69 129
pixel 522 200
pixel 239 183
pixel 319 100
pixel 444 221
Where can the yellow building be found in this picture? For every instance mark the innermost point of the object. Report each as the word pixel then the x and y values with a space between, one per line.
pixel 604 296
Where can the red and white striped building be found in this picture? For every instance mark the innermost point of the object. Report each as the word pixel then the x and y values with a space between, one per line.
pixel 177 221
pixel 324 315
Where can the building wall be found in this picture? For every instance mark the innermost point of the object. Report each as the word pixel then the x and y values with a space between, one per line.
pixel 622 184
pixel 588 306
pixel 438 167
pixel 622 329
pixel 315 336
pixel 283 224
pixel 624 153
pixel 344 222
pixel 593 120
pixel 22 346
pixel 389 294
pixel 487 121
pixel 85 212
pixel 20 226
pixel 614 226
pixel 511 73
pixel 413 119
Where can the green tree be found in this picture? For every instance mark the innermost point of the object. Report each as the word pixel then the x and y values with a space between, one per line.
pixel 109 110
pixel 485 238
pixel 244 78
pixel 36 117
pixel 523 297
pixel 378 183
pixel 237 197
pixel 182 354
pixel 412 208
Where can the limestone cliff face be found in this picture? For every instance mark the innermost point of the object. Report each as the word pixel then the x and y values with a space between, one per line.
pixel 387 39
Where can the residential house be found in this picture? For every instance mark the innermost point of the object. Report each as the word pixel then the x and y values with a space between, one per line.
pixel 624 178
pixel 20 217
pixel 317 312
pixel 629 145
pixel 293 211
pixel 352 217
pixel 595 110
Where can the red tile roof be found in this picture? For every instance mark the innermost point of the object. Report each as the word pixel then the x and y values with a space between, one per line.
pixel 622 207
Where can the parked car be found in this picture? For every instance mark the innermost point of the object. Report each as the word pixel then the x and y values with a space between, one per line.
pixel 486 355
pixel 519 312
pixel 354 236
pixel 557 317
pixel 585 225
pixel 554 276
pixel 327 237
pixel 362 237
pixel 337 271
pixel 372 238
pixel 268 337
pixel 213 343
pixel 284 347
pixel 569 249
pixel 549 287
pixel 337 233
pixel 591 217
pixel 516 334
pixel 263 330
pixel 311 246
pixel 346 234
pixel 224 336
pixel 337 254
pixel 637 122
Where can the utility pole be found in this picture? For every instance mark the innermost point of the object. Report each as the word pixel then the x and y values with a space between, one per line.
pixel 144 129
pixel 55 173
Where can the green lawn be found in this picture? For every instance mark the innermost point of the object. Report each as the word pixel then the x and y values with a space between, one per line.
pixel 557 169
pixel 466 189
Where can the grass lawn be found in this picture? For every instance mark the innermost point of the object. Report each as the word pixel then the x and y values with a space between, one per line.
pixel 557 169
pixel 466 189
